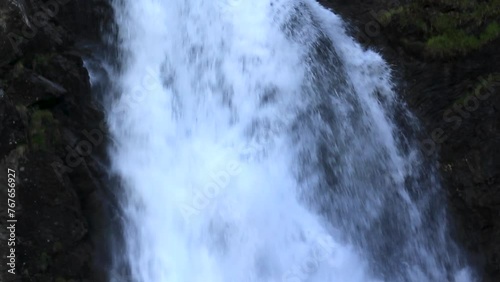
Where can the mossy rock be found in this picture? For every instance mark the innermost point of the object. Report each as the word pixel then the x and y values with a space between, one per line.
pixel 18 69
pixel 57 247
pixel 41 60
pixel 44 130
pixel 44 261
pixel 448 28
pixel 458 42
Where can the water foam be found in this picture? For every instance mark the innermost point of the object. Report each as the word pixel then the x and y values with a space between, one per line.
pixel 255 142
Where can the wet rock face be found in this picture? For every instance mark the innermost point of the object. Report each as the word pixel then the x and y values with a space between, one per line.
pixel 53 136
pixel 457 98
pixel 28 27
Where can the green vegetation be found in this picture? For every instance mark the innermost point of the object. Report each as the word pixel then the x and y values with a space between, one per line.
pixel 448 27
pixel 43 130
pixel 454 42
pixel 57 247
pixel 41 60
pixel 18 69
pixel 35 62
pixel 44 261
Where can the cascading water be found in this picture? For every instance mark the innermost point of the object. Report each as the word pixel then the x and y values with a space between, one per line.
pixel 256 141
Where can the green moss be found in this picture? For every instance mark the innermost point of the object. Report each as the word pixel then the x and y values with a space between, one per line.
pixel 39 140
pixel 44 261
pixel 458 42
pixel 18 69
pixel 57 247
pixel 491 32
pixel 445 22
pixel 448 27
pixel 41 60
pixel 38 117
pixel 43 130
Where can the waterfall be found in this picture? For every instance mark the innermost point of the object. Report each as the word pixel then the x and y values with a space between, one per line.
pixel 255 140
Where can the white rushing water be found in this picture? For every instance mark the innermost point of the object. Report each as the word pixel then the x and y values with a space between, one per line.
pixel 256 141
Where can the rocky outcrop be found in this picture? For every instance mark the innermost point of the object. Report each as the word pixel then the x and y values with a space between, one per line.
pixel 455 91
pixel 53 137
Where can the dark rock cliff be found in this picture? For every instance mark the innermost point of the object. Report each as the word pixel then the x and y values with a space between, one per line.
pixel 445 56
pixel 52 134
